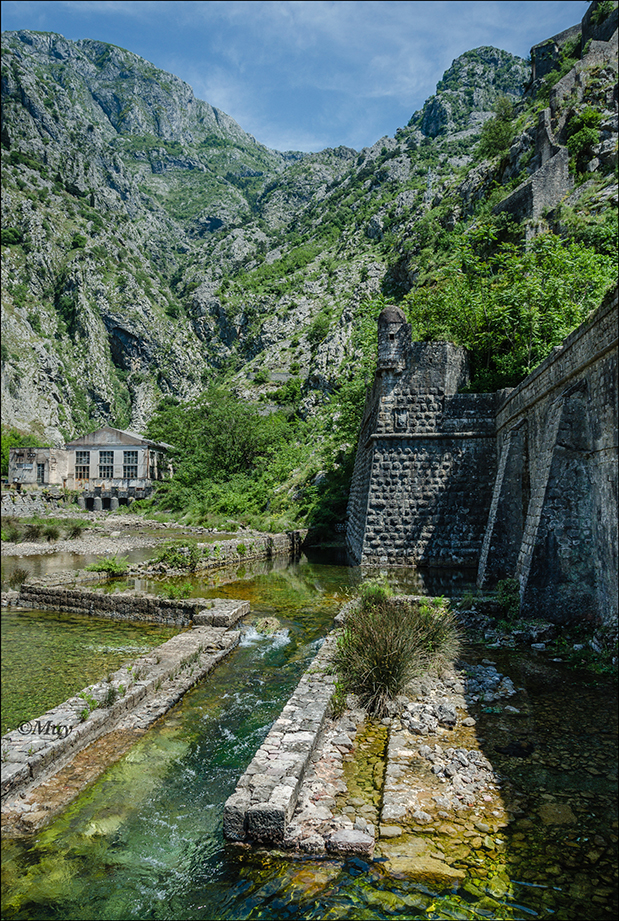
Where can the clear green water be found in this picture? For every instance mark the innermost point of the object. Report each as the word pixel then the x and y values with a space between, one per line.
pixel 45 564
pixel 145 840
pixel 48 657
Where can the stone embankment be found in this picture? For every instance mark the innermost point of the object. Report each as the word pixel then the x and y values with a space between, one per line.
pixel 379 787
pixel 241 549
pixel 351 785
pixel 133 697
pixel 265 798
pixel 105 535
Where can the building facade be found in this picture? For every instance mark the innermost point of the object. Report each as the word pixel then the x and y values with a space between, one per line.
pixel 107 464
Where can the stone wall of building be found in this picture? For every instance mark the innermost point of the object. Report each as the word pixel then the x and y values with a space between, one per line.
pixel 522 482
pixel 553 519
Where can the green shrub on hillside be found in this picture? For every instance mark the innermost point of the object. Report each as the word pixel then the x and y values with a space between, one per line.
pixel 11 236
pixel 498 132
pixel 582 136
pixel 510 307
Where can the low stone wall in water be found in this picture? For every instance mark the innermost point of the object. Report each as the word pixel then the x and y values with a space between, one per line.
pixel 135 696
pixel 294 794
pixel 266 795
pixel 131 606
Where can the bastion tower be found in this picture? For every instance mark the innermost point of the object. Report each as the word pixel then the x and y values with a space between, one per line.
pixel 426 459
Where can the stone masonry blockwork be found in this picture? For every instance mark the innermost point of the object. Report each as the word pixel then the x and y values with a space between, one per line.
pixel 423 475
pixel 520 483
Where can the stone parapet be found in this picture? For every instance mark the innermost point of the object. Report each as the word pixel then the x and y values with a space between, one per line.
pixel 266 795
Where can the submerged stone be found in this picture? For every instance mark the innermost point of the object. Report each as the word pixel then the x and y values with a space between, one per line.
pixel 422 866
pixel 556 814
pixel 350 841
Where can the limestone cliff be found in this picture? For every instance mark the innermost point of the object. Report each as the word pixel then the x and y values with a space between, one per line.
pixel 150 245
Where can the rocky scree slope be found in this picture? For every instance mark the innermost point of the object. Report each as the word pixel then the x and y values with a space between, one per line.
pixel 151 246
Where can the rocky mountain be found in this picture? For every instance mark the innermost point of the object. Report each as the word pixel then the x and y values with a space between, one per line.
pixel 150 246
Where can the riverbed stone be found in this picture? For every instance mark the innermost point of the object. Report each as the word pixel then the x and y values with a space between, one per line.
pixel 390 831
pixel 424 867
pixel 350 841
pixel 556 814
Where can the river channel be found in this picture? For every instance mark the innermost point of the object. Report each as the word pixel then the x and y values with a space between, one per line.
pixel 145 839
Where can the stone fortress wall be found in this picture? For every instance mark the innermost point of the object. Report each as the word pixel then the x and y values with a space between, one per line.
pixel 519 483
pixel 425 465
pixel 553 518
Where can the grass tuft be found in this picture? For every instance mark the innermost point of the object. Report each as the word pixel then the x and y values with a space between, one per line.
pixel 387 641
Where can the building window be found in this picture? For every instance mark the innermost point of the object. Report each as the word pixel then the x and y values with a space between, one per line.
pixel 82 465
pixel 106 465
pixel 130 465
pixel 40 473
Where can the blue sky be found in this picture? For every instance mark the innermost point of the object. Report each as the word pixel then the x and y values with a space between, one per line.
pixel 305 74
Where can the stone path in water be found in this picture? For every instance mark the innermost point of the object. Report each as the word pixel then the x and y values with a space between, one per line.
pixel 415 788
pixel 380 788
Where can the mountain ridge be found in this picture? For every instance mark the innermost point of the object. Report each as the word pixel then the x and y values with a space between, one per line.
pixel 148 254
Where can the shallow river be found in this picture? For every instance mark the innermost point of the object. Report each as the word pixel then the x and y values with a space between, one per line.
pixel 145 840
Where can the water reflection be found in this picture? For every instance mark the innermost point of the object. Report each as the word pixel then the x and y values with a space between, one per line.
pixel 46 564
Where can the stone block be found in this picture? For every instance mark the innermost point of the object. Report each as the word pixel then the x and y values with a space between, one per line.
pixel 234 819
pixel 266 822
pixel 351 841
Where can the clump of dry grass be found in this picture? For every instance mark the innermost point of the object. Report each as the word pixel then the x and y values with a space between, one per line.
pixel 387 641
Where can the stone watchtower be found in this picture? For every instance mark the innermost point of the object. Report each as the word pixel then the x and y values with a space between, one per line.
pixel 426 458
pixel 394 340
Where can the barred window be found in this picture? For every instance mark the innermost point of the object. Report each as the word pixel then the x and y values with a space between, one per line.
pixel 82 465
pixel 106 464
pixel 130 465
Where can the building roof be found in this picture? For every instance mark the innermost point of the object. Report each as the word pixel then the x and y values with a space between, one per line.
pixel 107 435
pixel 392 314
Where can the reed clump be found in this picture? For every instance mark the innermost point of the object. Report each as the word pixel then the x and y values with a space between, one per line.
pixel 387 641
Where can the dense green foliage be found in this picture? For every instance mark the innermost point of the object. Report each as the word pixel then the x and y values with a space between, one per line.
pixel 227 457
pixel 111 565
pixel 583 134
pixel 509 305
pixel 498 132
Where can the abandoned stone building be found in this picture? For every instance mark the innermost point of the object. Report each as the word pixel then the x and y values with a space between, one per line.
pixel 109 467
pixel 520 483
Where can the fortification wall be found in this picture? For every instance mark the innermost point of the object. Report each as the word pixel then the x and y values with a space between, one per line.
pixel 522 482
pixel 553 518
pixel 426 459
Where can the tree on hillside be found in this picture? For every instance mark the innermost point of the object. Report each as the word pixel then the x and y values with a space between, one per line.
pixel 498 132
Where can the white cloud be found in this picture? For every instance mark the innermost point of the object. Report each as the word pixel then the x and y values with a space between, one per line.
pixel 296 72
